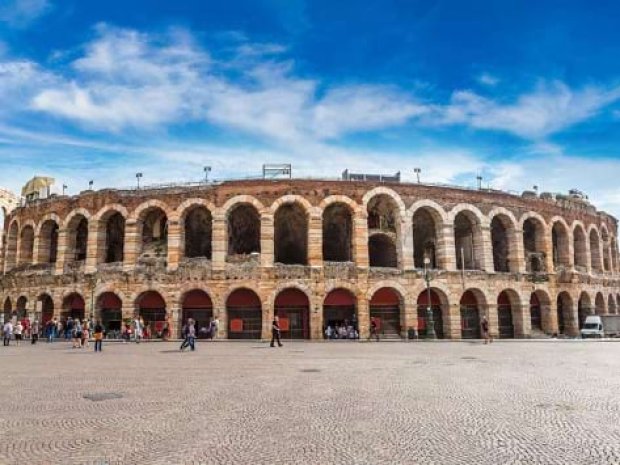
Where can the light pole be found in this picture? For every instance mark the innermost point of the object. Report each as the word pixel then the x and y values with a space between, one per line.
pixel 430 324
pixel 417 172
pixel 207 170
pixel 64 188
pixel 138 176
pixel 90 184
pixel 479 178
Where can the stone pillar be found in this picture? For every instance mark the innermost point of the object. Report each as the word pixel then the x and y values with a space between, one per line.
pixel 133 244
pixel 63 255
pixel 485 250
pixel 219 242
pixel 266 240
pixel 571 321
pixel 128 310
pixel 517 257
pixel 363 317
pixel 95 248
pixel 176 314
pixel 493 318
pixel 521 321
pixel 267 319
pixel 406 242
pixel 571 252
pixel 446 256
pixel 315 239
pixel 35 250
pixel 548 250
pixel 408 317
pixel 453 325
pixel 174 245
pixel 588 255
pixel 549 317
pixel 316 321
pixel 360 240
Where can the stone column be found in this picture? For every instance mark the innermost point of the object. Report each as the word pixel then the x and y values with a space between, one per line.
pixel 174 245
pixel 517 257
pixel 128 310
pixel 95 247
pixel 63 255
pixel 360 240
pixel 521 321
pixel 408 317
pixel 219 242
pixel 267 319
pixel 363 317
pixel 485 249
pixel 549 317
pixel 588 255
pixel 548 250
pixel 406 242
pixel 315 239
pixel 133 244
pixel 316 320
pixel 571 321
pixel 446 256
pixel 266 240
pixel 35 250
pixel 453 322
pixel 493 318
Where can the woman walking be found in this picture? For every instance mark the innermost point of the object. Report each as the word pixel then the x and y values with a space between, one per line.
pixel 17 331
pixel 98 336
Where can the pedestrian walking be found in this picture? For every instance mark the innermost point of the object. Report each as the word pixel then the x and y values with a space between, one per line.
pixel 189 332
pixel 17 331
pixel 7 332
pixel 69 329
pixel 76 335
pixel 215 326
pixel 98 332
pixel 484 324
pixel 85 339
pixel 34 332
pixel 373 330
pixel 275 331
pixel 138 329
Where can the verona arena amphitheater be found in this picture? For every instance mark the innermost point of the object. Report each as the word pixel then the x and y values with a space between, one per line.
pixel 315 253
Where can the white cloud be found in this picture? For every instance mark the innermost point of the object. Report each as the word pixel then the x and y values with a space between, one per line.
pixel 22 13
pixel 488 79
pixel 551 108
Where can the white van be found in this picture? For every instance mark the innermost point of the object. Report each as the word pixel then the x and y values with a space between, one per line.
pixel 592 327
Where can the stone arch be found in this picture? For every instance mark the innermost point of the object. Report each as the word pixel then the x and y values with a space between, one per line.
pixel 440 307
pixel 291 226
pixel 47 307
pixel 540 306
pixel 384 218
pixel 237 199
pixel 109 310
pixel 70 217
pixel 48 217
pixel 26 244
pixel 76 237
pixel 110 224
pixel 584 307
pixel 354 207
pixel 580 247
pixel 197 304
pixel 109 210
pixel 503 227
pixel 428 219
pixel 10 260
pixel 152 229
pixel 472 308
pixel 244 314
pixel 47 234
pixel 534 229
pixel 595 249
pixel 564 311
pixel 243 220
pixel 292 306
pixel 151 306
pixel 614 254
pixel 73 306
pixel 340 307
pixel 382 251
pixel 196 221
pixel 7 309
pixel 560 243
pixel 599 304
pixel 381 190
pixel 508 313
pixel 21 307
pixel 468 243
pixel 338 232
pixel 386 307
pixel 291 199
pixel 142 210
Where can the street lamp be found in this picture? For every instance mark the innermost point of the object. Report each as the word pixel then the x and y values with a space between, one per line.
pixel 430 324
pixel 207 170
pixel 417 172
pixel 90 184
pixel 64 188
pixel 138 176
pixel 479 178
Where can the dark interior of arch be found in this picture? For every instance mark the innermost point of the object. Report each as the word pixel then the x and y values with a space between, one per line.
pixel 155 234
pixel 382 251
pixel 337 233
pixel 605 239
pixel 49 242
pixel 198 233
pixel 531 241
pixel 115 238
pixel 559 242
pixel 580 249
pixel 424 239
pixel 382 214
pixel 464 242
pixel 595 251
pixel 243 231
pixel 499 240
pixel 291 235
pixel 529 235
pixel 80 240
pixel 27 245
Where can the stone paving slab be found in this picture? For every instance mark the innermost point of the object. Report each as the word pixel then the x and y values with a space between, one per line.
pixel 312 403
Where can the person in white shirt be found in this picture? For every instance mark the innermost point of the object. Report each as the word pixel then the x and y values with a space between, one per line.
pixel 8 332
pixel 17 330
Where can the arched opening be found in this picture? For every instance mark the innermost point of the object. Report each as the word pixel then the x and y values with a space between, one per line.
pixel 614 254
pixel 564 310
pixel 502 232
pixel 606 250
pixel 243 232
pixel 472 308
pixel 339 311
pixel 337 233
pixel 291 235
pixel 151 306
pixel 539 305
pixel 73 306
pixel 425 232
pixel 383 231
pixel 439 305
pixel 385 308
pixel 198 229
pixel 8 309
pixel 244 311
pixel 293 310
pixel 595 252
pixel 11 247
pixel 534 245
pixel 467 241
pixel 47 308
pixel 154 233
pixel 48 242
pixel 560 245
pixel 77 239
pixel 507 304
pixel 611 305
pixel 198 306
pixel 580 249
pixel 382 251
pixel 584 308
pixel 599 304
pixel 21 308
pixel 26 245
pixel 110 309
pixel 114 224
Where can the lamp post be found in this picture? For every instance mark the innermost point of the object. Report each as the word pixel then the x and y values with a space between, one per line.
pixel 430 324
pixel 207 170
pixel 138 176
pixel 64 188
pixel 479 178
pixel 90 184
pixel 417 172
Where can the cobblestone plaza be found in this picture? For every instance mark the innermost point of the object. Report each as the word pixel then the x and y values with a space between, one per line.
pixel 514 402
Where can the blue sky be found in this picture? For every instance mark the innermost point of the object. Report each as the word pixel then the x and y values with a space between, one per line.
pixel 522 92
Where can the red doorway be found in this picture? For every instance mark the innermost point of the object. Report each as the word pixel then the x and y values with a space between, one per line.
pixel 293 308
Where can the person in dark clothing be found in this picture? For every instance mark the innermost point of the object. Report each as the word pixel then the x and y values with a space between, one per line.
pixel 189 332
pixel 484 324
pixel 373 330
pixel 98 332
pixel 275 332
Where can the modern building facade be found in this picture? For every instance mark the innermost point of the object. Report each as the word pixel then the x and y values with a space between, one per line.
pixel 316 253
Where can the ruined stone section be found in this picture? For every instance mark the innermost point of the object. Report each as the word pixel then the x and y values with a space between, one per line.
pixel 533 267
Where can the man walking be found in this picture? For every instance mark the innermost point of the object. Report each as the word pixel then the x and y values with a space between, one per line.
pixel 484 324
pixel 275 331
pixel 7 332
pixel 373 330
pixel 98 332
pixel 34 332
pixel 189 331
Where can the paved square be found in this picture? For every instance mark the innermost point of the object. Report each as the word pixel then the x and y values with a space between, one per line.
pixel 314 403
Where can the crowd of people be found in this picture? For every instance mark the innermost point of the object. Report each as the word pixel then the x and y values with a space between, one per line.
pixel 343 330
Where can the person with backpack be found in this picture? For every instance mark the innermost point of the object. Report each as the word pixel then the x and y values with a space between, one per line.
pixel 98 333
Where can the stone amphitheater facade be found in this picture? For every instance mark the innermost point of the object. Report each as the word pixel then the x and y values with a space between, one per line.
pixel 315 253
